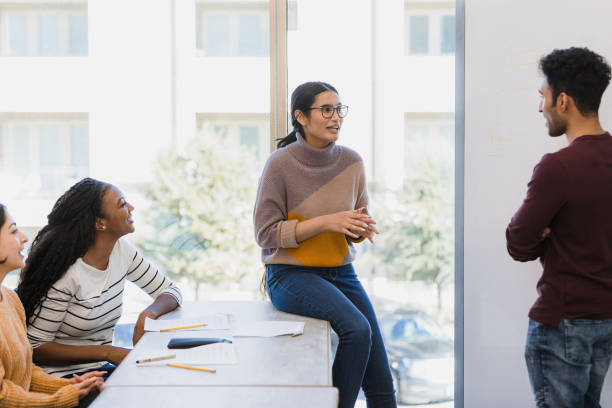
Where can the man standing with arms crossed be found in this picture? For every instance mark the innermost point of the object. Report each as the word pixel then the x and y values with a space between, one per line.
pixel 566 221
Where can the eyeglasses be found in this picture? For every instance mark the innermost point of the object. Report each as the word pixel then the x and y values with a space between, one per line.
pixel 327 111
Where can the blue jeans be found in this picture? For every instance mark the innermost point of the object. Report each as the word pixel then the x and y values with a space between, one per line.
pixel 336 295
pixel 567 364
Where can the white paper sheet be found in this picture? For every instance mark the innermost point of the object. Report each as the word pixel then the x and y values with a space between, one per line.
pixel 268 328
pixel 213 322
pixel 210 354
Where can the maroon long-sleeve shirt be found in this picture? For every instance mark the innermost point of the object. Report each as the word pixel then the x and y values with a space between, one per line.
pixel 570 192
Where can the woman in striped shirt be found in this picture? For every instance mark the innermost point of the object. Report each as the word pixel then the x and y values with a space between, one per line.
pixel 72 284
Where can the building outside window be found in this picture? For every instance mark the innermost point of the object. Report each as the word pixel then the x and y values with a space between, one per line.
pixel 233 30
pixel 249 130
pixel 43 154
pixel 35 30
pixel 429 28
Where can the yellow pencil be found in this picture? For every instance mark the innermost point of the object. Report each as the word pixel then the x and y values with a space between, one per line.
pixel 192 368
pixel 183 327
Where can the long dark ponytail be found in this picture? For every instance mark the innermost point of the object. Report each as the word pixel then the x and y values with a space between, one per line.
pixel 302 97
pixel 66 237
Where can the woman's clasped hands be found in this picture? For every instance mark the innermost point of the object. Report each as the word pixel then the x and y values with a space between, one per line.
pixel 353 223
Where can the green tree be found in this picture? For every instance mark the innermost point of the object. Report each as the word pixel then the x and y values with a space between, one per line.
pixel 201 205
pixel 416 222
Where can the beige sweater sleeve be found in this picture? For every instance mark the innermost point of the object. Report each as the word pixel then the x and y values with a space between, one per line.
pixel 43 382
pixel 12 395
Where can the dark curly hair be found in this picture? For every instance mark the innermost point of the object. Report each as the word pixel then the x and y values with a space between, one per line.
pixel 302 97
pixel 580 73
pixel 66 237
pixel 2 221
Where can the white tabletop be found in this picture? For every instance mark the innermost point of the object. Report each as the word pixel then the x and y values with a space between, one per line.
pixel 303 360
pixel 218 397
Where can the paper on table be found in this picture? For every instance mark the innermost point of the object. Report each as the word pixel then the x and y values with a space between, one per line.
pixel 268 328
pixel 213 322
pixel 216 353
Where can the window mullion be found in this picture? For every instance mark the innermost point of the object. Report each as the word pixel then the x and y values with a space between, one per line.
pixel 278 70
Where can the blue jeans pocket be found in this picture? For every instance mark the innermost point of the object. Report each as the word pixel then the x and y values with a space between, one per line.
pixel 587 340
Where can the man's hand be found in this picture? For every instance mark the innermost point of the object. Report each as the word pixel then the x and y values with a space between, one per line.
pixel 545 233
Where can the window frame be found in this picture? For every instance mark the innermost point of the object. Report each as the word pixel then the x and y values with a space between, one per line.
pixel 434 11
pixel 35 169
pixel 32 11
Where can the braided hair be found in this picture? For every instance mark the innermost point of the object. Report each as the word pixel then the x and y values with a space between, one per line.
pixel 302 97
pixel 66 237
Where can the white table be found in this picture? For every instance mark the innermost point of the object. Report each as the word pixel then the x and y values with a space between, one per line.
pixel 218 397
pixel 269 370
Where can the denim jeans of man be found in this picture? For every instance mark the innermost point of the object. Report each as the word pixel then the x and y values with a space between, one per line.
pixel 567 364
pixel 336 295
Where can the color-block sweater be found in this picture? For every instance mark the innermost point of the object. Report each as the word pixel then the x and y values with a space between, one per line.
pixel 300 182
pixel 22 384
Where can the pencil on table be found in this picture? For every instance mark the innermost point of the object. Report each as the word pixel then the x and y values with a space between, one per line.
pixel 191 368
pixel 183 327
pixel 150 360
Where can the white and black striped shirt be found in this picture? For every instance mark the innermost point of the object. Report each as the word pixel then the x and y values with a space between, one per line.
pixel 83 306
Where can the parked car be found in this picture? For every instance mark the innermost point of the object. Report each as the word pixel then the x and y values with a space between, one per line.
pixel 420 355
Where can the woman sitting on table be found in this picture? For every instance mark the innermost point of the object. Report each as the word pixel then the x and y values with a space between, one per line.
pixel 311 207
pixel 72 284
pixel 22 384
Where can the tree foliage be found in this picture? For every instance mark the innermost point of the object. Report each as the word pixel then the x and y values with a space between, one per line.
pixel 201 206
pixel 416 222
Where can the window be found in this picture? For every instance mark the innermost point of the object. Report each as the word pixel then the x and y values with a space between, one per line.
pixel 34 30
pixel 409 160
pixel 180 156
pixel 419 34
pixel 249 130
pixel 429 28
pixel 233 30
pixel 42 154
pixel 447 45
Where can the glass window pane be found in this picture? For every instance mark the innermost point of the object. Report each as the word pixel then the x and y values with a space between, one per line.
pixel 249 136
pixel 48 35
pixel 218 35
pixel 79 146
pixel 20 156
pixel 447 45
pixel 251 37
pixel 447 133
pixel 419 34
pixel 77 35
pixel 416 132
pixel 292 15
pixel 49 146
pixel 18 35
pixel 408 272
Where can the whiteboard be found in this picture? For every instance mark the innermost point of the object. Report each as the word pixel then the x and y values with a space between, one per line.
pixel 505 137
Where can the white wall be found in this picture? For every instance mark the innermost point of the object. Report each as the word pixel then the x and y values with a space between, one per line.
pixel 505 137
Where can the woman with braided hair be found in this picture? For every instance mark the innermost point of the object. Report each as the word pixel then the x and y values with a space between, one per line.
pixel 72 283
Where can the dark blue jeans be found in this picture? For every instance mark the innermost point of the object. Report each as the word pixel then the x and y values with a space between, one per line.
pixel 336 295
pixel 567 364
